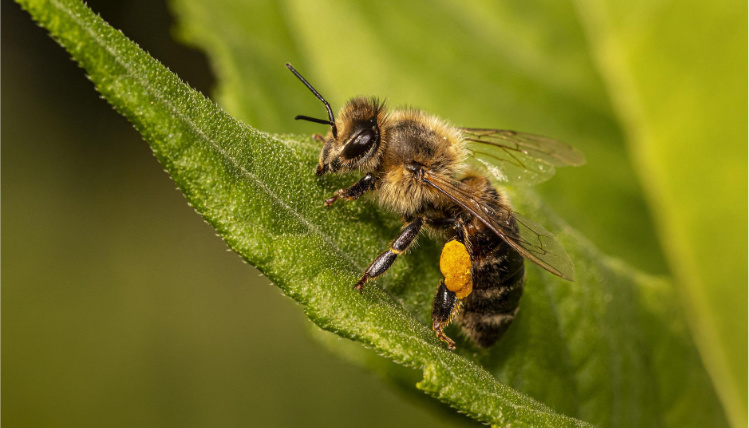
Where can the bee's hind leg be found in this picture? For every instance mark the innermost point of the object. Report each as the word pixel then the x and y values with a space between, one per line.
pixel 456 284
pixel 445 308
pixel 386 259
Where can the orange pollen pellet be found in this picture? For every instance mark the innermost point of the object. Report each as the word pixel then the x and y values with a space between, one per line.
pixel 455 264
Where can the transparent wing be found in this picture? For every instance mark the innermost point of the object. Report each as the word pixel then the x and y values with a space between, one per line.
pixel 526 237
pixel 511 156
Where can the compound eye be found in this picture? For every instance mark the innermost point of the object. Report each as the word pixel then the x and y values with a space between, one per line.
pixel 360 144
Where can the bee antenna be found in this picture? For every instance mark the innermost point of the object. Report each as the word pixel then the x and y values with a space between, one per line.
pixel 319 97
pixel 312 119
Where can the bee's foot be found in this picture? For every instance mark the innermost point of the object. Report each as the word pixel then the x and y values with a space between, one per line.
pixel 437 327
pixel 359 286
pixel 336 196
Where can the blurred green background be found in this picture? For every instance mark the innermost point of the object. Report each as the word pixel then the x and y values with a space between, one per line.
pixel 120 305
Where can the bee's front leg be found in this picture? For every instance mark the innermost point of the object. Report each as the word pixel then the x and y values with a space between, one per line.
pixel 386 259
pixel 354 192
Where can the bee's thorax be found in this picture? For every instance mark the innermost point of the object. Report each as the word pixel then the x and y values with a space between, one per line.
pixel 414 141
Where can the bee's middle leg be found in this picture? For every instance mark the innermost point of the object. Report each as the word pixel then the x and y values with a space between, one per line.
pixel 386 259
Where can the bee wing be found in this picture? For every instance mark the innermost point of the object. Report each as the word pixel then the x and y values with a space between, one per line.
pixel 526 237
pixel 511 156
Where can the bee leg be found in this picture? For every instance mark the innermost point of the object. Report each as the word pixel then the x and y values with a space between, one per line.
pixel 386 259
pixel 444 309
pixel 319 138
pixel 359 188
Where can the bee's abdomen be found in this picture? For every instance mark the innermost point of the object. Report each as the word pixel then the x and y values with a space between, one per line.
pixel 498 275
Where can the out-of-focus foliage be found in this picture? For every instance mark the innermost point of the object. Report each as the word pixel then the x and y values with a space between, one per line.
pixel 677 75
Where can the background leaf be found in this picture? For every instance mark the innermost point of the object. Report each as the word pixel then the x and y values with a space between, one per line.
pixel 216 163
pixel 687 133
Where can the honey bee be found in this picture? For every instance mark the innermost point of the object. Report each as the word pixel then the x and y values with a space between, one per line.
pixel 446 179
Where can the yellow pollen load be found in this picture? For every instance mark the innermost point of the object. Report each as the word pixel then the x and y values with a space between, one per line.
pixel 455 264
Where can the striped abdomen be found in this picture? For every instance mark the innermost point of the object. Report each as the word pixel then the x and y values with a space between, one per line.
pixel 498 275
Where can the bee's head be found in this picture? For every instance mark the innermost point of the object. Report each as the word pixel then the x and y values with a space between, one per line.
pixel 353 141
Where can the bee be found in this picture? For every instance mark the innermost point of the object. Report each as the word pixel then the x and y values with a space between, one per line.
pixel 447 179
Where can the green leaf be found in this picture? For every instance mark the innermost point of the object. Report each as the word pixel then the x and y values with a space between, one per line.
pixel 610 348
pixel 681 73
